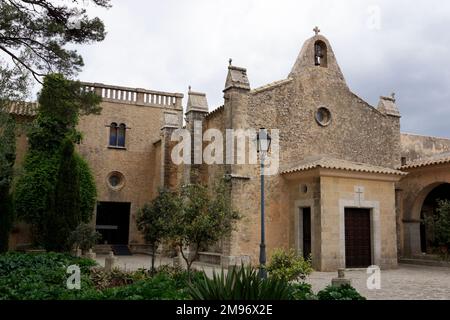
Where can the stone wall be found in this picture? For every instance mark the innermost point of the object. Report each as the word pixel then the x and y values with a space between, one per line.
pixel 379 196
pixel 416 147
pixel 141 161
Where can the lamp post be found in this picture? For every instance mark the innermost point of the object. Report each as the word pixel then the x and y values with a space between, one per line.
pixel 263 141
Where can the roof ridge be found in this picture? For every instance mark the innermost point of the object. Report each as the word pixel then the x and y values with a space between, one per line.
pixel 271 85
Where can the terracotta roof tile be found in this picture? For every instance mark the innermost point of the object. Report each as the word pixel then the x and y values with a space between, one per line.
pixel 28 109
pixel 339 164
pixel 431 161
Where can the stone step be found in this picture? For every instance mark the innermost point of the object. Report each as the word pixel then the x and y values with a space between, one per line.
pixel 432 257
pixel 424 262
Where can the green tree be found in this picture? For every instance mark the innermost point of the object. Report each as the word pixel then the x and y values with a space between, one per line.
pixel 56 191
pixel 439 226
pixel 206 217
pixel 153 219
pixel 35 34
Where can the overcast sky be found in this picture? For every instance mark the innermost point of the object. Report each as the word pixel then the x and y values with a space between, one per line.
pixel 381 46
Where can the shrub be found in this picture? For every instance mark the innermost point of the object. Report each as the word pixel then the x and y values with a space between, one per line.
pixel 302 291
pixel 345 292
pixel 41 276
pixel 160 287
pixel 239 284
pixel 289 266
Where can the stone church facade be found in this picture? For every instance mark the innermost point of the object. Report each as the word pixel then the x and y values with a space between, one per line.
pixel 350 189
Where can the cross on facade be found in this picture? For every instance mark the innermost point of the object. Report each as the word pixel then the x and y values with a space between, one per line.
pixel 359 195
pixel 316 30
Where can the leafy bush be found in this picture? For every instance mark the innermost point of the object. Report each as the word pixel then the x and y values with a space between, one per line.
pixel 239 284
pixel 302 291
pixel 40 276
pixel 289 266
pixel 43 277
pixel 160 287
pixel 345 292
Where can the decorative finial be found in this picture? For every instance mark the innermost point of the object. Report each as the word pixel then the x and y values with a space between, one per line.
pixel 230 61
pixel 316 30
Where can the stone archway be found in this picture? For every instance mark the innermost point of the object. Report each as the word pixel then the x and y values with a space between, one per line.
pixel 415 235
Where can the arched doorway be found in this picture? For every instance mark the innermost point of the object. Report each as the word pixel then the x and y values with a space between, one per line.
pixel 429 206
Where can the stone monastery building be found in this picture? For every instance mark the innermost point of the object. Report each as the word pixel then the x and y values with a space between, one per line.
pixel 351 188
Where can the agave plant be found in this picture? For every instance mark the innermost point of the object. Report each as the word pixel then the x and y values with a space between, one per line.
pixel 241 283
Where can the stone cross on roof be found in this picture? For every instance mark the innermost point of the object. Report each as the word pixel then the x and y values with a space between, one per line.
pixel 316 30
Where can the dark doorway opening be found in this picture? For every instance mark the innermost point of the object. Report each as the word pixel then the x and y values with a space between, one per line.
pixel 113 222
pixel 358 244
pixel 306 213
pixel 441 192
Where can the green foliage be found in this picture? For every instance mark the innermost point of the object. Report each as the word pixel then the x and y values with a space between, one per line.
pixel 152 219
pixel 39 276
pixel 160 287
pixel 205 218
pixel 56 191
pixel 84 237
pixel 239 284
pixel 88 189
pixel 302 291
pixel 289 266
pixel 439 225
pixel 35 34
pixel 345 292
pixel 7 158
pixel 43 277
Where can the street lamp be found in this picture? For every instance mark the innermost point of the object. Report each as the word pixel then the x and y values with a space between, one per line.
pixel 263 142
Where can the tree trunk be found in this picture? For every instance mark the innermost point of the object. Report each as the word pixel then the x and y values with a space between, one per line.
pixel 153 258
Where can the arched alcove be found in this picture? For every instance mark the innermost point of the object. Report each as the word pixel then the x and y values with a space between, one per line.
pixel 320 54
pixel 429 207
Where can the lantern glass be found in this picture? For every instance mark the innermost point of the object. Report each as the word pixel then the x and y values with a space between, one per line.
pixel 264 140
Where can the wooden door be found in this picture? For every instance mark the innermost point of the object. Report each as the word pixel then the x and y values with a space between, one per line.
pixel 358 244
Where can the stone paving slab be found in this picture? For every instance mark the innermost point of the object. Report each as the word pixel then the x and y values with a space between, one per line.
pixel 408 282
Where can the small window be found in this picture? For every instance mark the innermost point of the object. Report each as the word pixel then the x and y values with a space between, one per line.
pixel 116 180
pixel 121 135
pixel 323 116
pixel 117 135
pixel 113 134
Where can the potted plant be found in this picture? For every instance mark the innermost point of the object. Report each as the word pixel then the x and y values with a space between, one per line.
pixel 83 239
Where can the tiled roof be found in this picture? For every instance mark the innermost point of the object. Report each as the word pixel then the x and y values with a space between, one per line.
pixel 435 160
pixel 339 164
pixel 219 109
pixel 28 109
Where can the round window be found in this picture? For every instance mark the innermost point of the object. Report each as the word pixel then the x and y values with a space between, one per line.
pixel 323 116
pixel 116 180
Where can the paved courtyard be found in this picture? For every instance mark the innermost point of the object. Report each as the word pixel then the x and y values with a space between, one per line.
pixel 408 282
